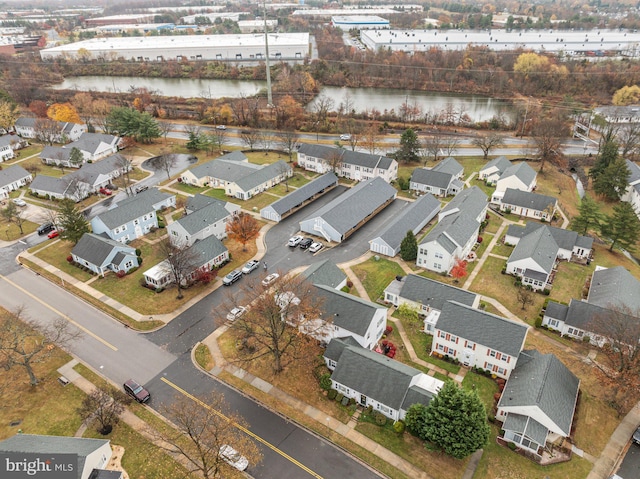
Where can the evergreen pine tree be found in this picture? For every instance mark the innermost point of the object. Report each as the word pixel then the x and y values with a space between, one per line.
pixel 622 227
pixel 72 222
pixel 589 217
pixel 409 247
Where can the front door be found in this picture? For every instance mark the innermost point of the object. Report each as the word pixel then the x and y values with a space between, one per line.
pixel 363 399
pixel 467 357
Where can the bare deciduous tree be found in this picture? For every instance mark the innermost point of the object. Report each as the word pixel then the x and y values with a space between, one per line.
pixel 181 259
pixel 165 128
pixel 370 138
pixel 167 161
pixel 321 107
pixel 524 297
pixel 433 145
pixel 288 142
pixel 250 138
pixel 24 343
pixel 488 142
pixel 243 228
pixel 547 134
pixel 202 426
pixel 103 405
pixel 14 215
pixel 281 323
pixel 47 131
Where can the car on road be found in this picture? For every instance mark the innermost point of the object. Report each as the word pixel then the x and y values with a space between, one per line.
pixel 345 137
pixel 53 234
pixel 105 191
pixel 141 188
pixel 315 247
pixel 136 391
pixel 236 312
pixel 19 202
pixel 233 457
pixel 232 277
pixel 251 266
pixel 221 127
pixel 269 280
pixel 294 241
pixel 45 228
pixel 305 243
pixel 636 436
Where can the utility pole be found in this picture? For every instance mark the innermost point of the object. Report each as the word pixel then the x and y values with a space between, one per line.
pixel 266 49
pixel 524 122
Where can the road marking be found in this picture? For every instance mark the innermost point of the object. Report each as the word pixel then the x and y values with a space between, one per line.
pixel 62 315
pixel 244 429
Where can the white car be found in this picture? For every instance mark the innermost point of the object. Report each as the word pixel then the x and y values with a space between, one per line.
pixel 221 127
pixel 269 280
pixel 19 202
pixel 236 312
pixel 315 247
pixel 250 266
pixel 233 457
pixel 345 137
pixel 295 240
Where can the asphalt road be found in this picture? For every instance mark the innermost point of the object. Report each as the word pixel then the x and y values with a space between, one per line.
pixel 630 467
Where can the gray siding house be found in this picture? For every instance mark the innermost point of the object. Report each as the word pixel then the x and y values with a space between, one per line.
pixel 413 217
pixel 530 205
pixel 325 273
pixel 27 127
pixel 93 147
pixel 101 254
pixel 200 224
pixel 343 216
pixel 299 198
pixel 491 172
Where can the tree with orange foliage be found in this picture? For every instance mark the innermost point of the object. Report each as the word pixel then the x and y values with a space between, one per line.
pixel 459 269
pixel 243 228
pixel 63 112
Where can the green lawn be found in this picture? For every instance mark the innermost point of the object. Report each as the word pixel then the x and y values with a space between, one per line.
pixel 258 202
pixel 569 281
pixel 488 190
pixel 485 386
pixel 56 254
pixel 376 275
pixel 494 224
pixel 128 290
pixel 502 249
pixel 265 157
pixel 11 232
pixel 188 189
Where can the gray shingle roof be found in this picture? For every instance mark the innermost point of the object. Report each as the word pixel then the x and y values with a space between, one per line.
pixel 226 166
pixel 416 395
pixel 556 310
pixel 542 380
pixel 89 172
pixel 152 196
pixel 423 210
pixel 346 310
pixel 325 273
pixel 526 426
pixel 635 171
pixel 582 314
pixel 26 121
pixel 348 157
pixel 483 328
pixel 207 249
pixel 123 214
pixel 336 346
pixel 615 287
pixel 522 171
pixel 96 248
pixel 198 201
pixel 471 200
pixel 501 163
pixel 302 194
pixel 200 219
pixel 11 174
pixel 350 208
pixel 433 293
pixel 8 140
pixel 433 178
pixel 453 231
pixel 566 239
pixel 31 443
pixel 539 246
pixel 262 175
pixel 49 184
pixel 376 376
pixel 91 141
pixel 55 153
pixel 529 200
pixel 449 165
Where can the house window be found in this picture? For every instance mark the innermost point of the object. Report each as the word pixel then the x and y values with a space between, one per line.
pixel 437 265
pixel 124 227
pixel 136 222
pixel 554 323
pixel 128 265
pixel 332 363
pixel 492 353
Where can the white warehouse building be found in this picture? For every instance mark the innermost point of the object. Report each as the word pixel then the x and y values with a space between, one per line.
pixel 359 22
pixel 234 47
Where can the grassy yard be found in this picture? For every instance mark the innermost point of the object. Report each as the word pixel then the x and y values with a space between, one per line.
pixel 258 202
pixel 10 231
pixel 265 157
pixel 501 462
pixel 488 190
pixel 56 252
pixel 553 183
pixel 376 275
pixel 570 279
pixel 188 189
pixel 491 282
pixel 502 250
pixel 485 386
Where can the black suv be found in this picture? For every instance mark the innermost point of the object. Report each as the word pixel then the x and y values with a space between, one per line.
pixel 305 243
pixel 45 228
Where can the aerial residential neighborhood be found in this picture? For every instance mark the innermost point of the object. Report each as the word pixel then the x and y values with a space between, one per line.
pixel 361 241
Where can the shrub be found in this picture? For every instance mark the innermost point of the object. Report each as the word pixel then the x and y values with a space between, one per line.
pixel 345 289
pixel 325 381
pixel 398 427
pixel 491 418
pixel 139 260
pixel 332 394
pixel 349 284
pixel 352 401
pixel 121 273
pixel 511 446
pixel 546 292
pixel 380 418
pixel 479 239
pixel 138 252
pixel 388 330
pixel 369 409
pixel 339 397
pixel 538 322
pixel 69 259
